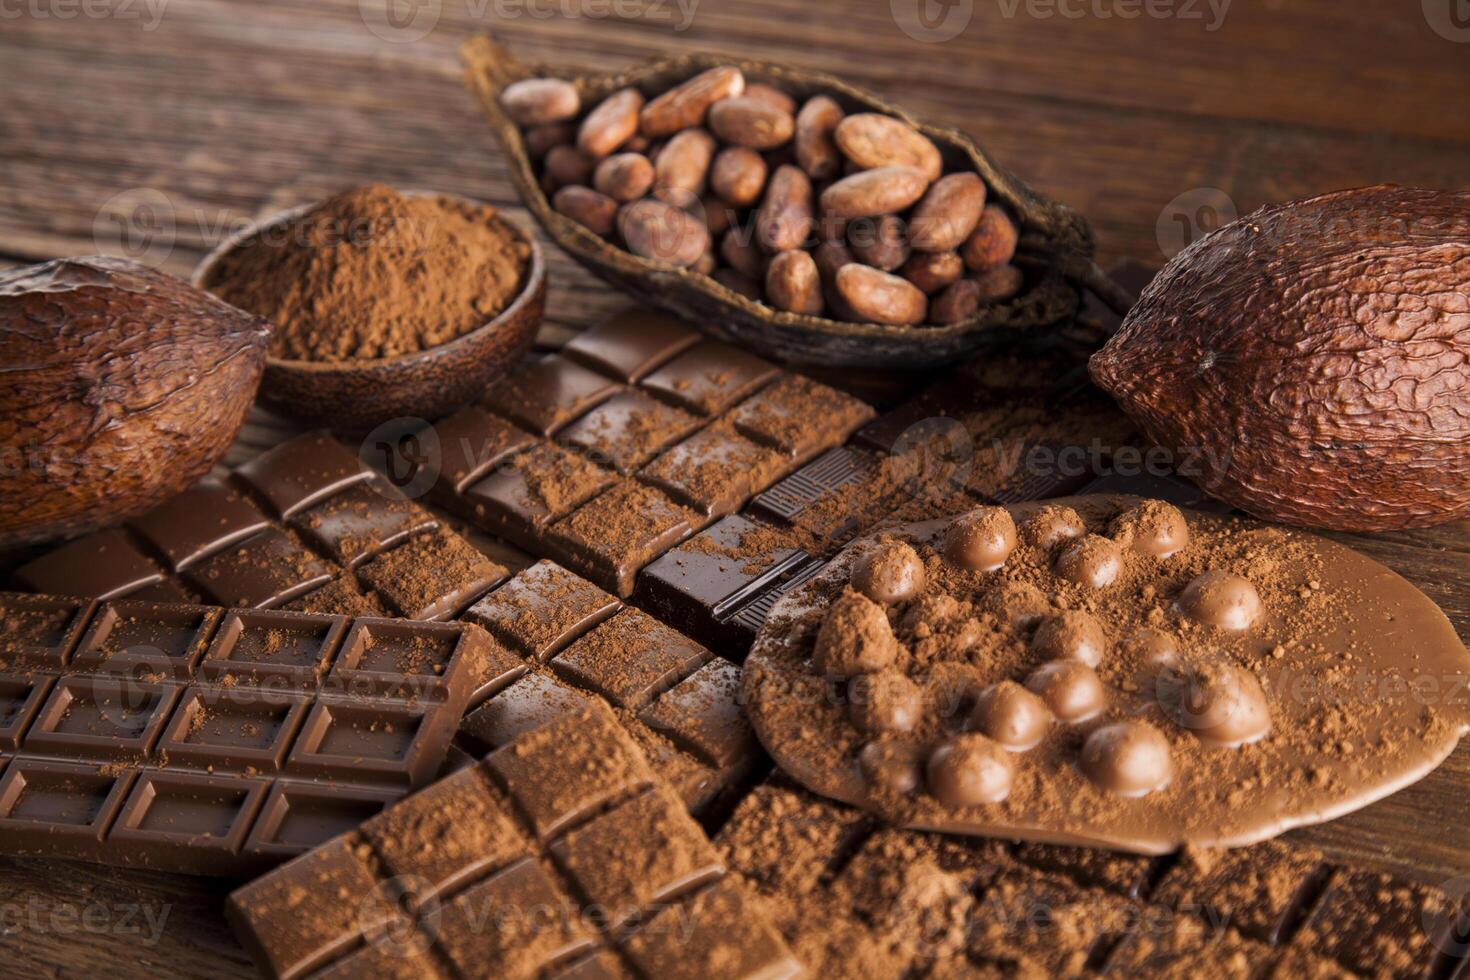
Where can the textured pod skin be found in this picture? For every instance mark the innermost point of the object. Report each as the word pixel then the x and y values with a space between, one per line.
pixel 122 386
pixel 1316 355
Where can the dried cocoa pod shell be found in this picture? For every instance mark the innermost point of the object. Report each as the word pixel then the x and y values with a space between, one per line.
pixel 1313 359
pixel 1055 244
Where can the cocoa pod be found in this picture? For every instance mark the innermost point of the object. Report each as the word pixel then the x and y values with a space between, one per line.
pixel 771 96
pixel 744 121
pixel 660 231
pixel 1000 283
pixel 957 302
pixel 881 297
pixel 682 166
pixel 932 271
pixel 741 253
pixel 685 105
pixel 624 177
pixel 871 140
pixel 816 151
pixel 794 284
pixel 869 193
pixel 947 213
pixel 538 101
pixel 610 124
pixel 785 218
pixel 566 165
pixel 540 139
pixel 738 175
pixel 880 242
pixel 594 211
pixel 993 242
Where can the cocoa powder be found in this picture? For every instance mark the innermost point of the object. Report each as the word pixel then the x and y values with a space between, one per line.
pixel 371 273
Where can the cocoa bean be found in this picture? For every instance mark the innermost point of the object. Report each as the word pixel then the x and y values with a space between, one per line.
pixel 610 123
pixel 593 211
pixel 785 218
pixel 624 176
pixel 957 302
pixel 948 213
pixel 682 166
pixel 771 96
pixel 1000 283
pixel 830 256
pixel 685 104
pixel 738 175
pixel 566 165
pixel 743 121
pixel 794 284
pixel 662 232
pixel 871 140
pixel 741 254
pixel 869 193
pixel 880 297
pixel 537 101
pixel 880 242
pixel 993 243
pixel 932 271
pixel 717 215
pixel 816 151
pixel 706 264
pixel 540 139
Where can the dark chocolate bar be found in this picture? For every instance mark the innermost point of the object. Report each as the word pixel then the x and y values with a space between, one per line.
pixel 908 903
pixel 605 455
pixel 565 643
pixel 210 741
pixel 305 526
pixel 561 854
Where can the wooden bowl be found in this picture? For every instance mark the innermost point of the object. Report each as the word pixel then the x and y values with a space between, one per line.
pixel 355 396
pixel 1055 250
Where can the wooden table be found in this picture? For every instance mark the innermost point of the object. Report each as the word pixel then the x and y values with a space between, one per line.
pixel 155 126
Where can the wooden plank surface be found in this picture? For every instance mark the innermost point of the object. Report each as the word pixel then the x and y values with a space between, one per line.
pixel 154 127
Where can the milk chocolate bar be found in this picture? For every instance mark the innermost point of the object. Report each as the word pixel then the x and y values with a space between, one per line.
pixel 639 433
pixel 843 888
pixel 564 643
pixel 210 741
pixel 561 854
pixel 305 526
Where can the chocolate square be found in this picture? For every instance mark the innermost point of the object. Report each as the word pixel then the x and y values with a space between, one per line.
pixel 363 520
pixel 717 932
pixel 630 659
pixel 833 497
pixel 298 816
pixel 799 416
pixel 198 522
pixel 1186 947
pixel 40 630
pixel 233 728
pixel 611 538
pixel 710 377
pixel 209 816
pixel 628 430
pixel 299 473
pixel 432 576
pixel 260 572
pixel 472 442
pixel 628 345
pixel 547 394
pixel 1126 874
pixel 1259 888
pixel 147 638
pixel 518 920
pixel 396 743
pixel 542 609
pixel 1376 924
pixel 533 489
pixel 702 715
pixel 104 565
pixel 715 470
pixel 273 647
pixel 43 801
pixel 99 717
pixel 530 702
pixel 21 697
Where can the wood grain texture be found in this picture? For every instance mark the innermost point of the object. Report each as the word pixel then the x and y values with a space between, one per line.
pixel 177 132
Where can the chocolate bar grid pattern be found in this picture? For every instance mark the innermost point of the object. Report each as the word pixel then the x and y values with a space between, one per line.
pixel 211 741
pixel 560 855
pixel 564 643
pixel 1067 911
pixel 637 417
pixel 304 526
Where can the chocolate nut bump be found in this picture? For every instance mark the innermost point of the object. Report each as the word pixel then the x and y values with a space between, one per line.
pixel 1161 695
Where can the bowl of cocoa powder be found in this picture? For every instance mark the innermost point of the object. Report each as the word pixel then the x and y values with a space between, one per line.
pixel 386 305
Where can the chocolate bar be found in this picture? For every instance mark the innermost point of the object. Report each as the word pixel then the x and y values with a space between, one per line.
pixel 210 741
pixel 841 888
pixel 639 433
pixel 561 854
pixel 564 643
pixel 305 526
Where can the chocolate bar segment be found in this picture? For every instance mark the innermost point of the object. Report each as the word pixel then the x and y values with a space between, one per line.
pixel 549 393
pixel 560 855
pixel 105 565
pixel 235 738
pixel 542 609
pixel 710 377
pixel 630 344
pixel 202 520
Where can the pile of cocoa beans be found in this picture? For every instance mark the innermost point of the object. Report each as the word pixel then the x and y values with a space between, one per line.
pixel 802 207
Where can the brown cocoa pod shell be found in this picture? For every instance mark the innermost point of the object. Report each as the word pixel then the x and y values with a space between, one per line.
pixel 784 221
pixel 881 297
pixel 955 302
pixel 871 140
pixel 624 177
pixel 1311 361
pixel 794 284
pixel 880 242
pixel 684 106
pixel 595 211
pixel 1054 241
pixel 662 232
pixel 610 124
pixel 947 213
pixel 993 242
pixel 683 166
pixel 738 175
pixel 744 121
pixel 932 271
pixel 538 101
pixel 869 193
